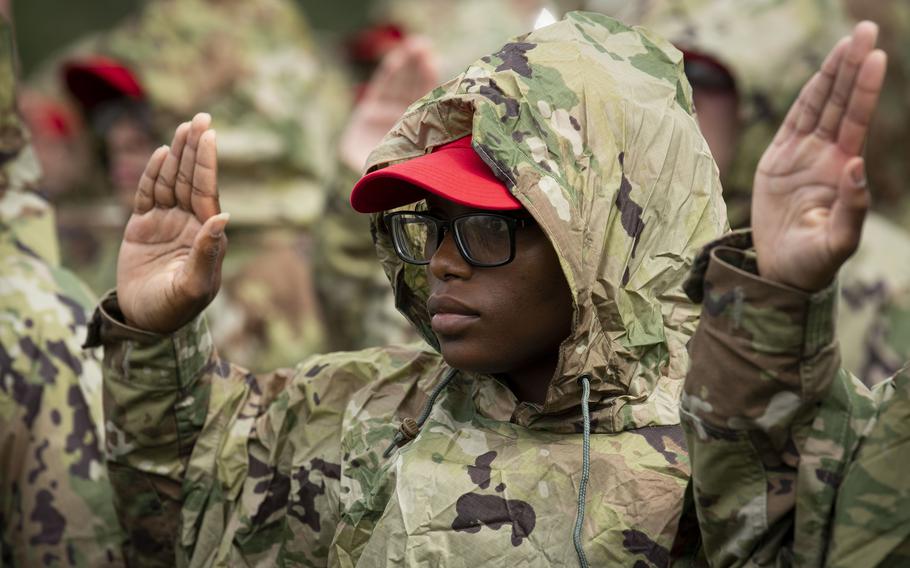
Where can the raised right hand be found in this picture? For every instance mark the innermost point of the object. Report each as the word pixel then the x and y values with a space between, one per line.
pixel 169 267
pixel 810 197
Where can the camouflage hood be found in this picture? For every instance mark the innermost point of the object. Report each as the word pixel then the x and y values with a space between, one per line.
pixel 589 123
pixel 771 48
pixel 275 102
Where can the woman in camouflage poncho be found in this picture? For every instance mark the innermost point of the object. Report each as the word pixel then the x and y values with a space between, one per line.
pixel 589 124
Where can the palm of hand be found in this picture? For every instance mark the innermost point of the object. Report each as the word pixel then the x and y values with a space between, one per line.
pixel 152 267
pixel 796 186
pixel 169 267
pixel 809 197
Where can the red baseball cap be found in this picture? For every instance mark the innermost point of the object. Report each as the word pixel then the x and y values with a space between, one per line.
pixel 453 171
pixel 98 79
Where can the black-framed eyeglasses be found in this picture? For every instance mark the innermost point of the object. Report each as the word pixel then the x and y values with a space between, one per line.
pixel 484 240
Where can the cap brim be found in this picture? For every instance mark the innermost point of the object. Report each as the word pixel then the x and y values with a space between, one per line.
pixel 455 173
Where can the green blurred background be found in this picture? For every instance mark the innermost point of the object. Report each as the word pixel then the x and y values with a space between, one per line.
pixel 45 26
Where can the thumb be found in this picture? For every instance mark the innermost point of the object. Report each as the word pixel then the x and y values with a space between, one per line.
pixel 849 210
pixel 203 267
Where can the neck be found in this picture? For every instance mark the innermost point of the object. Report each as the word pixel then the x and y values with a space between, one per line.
pixel 530 383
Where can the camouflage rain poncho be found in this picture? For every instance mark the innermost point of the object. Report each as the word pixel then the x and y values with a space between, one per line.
pixel 590 124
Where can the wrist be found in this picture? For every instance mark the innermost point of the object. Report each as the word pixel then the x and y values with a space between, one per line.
pixel 802 280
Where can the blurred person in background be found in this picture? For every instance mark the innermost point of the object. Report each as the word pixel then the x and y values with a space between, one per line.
pixel 744 80
pixel 118 120
pixel 253 64
pixel 56 500
pixel 60 142
pixel 889 168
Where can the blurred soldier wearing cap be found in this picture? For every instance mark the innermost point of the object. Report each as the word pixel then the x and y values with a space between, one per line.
pixel 277 104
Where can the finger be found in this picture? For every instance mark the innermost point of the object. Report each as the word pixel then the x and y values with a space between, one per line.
pixel 145 193
pixel 164 183
pixel 788 127
pixel 202 273
pixel 849 210
pixel 424 72
pixel 184 186
pixel 204 192
pixel 863 101
pixel 818 89
pixel 862 42
pixel 383 83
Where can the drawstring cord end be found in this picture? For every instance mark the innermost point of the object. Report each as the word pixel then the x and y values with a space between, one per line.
pixel 585 470
pixel 409 427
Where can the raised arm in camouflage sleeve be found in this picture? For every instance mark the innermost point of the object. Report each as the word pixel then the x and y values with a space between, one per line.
pixel 201 450
pixel 154 406
pixel 770 420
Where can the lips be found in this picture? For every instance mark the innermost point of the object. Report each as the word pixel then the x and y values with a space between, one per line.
pixel 449 316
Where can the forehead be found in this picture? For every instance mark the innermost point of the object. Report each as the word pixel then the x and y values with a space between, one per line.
pixel 447 208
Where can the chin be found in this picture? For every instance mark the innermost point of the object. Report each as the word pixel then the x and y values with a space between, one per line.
pixel 471 358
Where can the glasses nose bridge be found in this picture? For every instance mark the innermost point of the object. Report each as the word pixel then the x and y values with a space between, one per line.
pixel 442 228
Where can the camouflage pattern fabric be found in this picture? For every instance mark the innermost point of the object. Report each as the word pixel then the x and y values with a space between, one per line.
pixel 56 502
pixel 590 125
pixel 461 32
pixel 871 524
pixel 772 423
pixel 278 104
pixel 873 317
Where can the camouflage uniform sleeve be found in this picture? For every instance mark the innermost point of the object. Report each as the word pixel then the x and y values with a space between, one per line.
pixel 872 520
pixel 156 393
pixel 770 418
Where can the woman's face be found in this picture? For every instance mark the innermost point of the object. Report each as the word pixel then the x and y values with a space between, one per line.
pixel 509 319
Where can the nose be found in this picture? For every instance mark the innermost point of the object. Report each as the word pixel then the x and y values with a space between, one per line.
pixel 447 262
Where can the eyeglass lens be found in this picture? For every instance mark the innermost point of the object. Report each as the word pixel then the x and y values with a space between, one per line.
pixel 485 239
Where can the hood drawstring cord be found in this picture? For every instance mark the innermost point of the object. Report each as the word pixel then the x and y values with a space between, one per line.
pixel 409 427
pixel 585 470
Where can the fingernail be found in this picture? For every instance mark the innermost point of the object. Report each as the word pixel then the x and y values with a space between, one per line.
pixel 217 233
pixel 859 176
